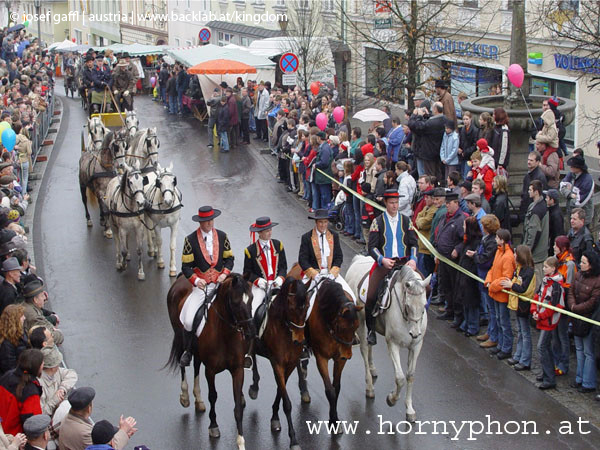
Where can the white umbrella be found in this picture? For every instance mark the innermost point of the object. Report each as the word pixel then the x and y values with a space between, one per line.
pixel 66 44
pixel 371 115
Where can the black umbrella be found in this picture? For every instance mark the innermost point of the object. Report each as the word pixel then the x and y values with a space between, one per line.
pixel 16 28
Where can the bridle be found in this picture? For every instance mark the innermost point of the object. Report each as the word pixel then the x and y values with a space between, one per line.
pixel 129 196
pixel 288 323
pixel 158 187
pixel 237 325
pixel 334 328
pixel 402 301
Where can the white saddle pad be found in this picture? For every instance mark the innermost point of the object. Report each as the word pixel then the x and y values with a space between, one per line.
pixel 363 288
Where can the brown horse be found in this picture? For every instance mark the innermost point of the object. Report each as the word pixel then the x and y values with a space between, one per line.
pixel 282 343
pixel 221 346
pixel 331 327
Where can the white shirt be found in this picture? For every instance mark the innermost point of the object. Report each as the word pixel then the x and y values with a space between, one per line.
pixel 208 240
pixel 266 248
pixel 324 246
pixel 394 221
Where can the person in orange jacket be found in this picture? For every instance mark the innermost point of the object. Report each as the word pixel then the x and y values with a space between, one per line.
pixel 503 268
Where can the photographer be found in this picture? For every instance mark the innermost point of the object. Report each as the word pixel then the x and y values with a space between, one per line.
pixel 428 133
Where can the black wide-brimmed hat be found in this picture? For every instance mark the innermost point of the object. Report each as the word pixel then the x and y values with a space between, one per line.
pixel 262 224
pixel 89 57
pixel 441 84
pixel 125 55
pixel 319 214
pixel 33 288
pixel 391 193
pixel 206 213
pixel 578 162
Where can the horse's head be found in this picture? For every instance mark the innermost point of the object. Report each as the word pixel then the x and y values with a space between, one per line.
pixel 166 181
pixel 293 301
pixel 134 185
pixel 409 289
pixel 119 147
pixel 238 298
pixel 152 144
pixel 97 131
pixel 132 122
pixel 340 315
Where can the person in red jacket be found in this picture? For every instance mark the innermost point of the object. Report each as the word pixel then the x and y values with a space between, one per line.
pixel 551 292
pixel 309 163
pixel 20 391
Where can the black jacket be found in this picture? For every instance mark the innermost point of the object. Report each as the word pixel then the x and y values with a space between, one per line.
pixel 163 77
pixel 256 267
pixel 467 140
pixel 535 174
pixel 484 258
pixel 9 294
pixel 450 233
pixel 9 353
pixel 194 263
pixel 86 77
pixel 222 118
pixel 467 286
pixel 429 134
pixel 556 226
pixel 500 208
pixel 526 274
pixel 379 236
pixel 171 86
pixel 580 242
pixel 307 257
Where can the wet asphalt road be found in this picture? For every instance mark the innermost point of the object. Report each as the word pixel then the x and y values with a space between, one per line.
pixel 118 336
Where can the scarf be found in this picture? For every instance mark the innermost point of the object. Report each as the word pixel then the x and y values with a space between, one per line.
pixel 547 153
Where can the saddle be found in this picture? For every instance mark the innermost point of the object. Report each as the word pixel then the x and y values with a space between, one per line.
pixel 382 303
pixel 260 315
pixel 202 312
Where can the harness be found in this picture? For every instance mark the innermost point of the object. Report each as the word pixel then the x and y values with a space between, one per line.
pixel 95 175
pixel 401 300
pixel 237 325
pixel 155 189
pixel 332 329
pixel 129 213
pixel 148 155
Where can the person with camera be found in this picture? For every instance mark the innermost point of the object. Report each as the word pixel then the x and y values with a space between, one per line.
pixel 429 131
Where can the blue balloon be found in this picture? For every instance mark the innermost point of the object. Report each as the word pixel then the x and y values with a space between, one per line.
pixel 9 139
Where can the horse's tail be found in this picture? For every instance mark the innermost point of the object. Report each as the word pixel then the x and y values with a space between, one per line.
pixel 176 351
pixel 92 197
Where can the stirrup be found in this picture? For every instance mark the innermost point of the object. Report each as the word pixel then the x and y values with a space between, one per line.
pixel 372 337
pixel 248 362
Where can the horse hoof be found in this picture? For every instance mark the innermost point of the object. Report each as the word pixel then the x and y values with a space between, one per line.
pixel 172 273
pixel 411 417
pixel 305 397
pixel 108 234
pixel 128 257
pixel 141 276
pixel 295 447
pixel 390 400
pixel 160 265
pixel 252 393
pixel 119 267
pixel 90 224
pixel 185 401
pixel 370 393
pixel 150 254
pixel 214 432
pixel 200 407
pixel 275 425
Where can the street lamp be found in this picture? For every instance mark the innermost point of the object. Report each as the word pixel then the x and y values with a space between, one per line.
pixel 38 6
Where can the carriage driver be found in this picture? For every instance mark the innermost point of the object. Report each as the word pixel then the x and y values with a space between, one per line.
pixel 206 261
pixel 265 264
pixel 101 79
pixel 123 83
pixel 321 252
pixel 391 244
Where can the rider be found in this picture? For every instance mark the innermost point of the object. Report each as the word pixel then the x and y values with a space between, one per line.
pixel 86 76
pixel 391 243
pixel 101 79
pixel 123 83
pixel 206 261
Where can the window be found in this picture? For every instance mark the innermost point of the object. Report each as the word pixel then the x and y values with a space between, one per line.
pixel 548 87
pixel 177 42
pixel 188 43
pixel 384 75
pixel 471 3
pixel 78 37
pixel 245 41
pixel 225 38
pixel 472 80
pixel 280 3
pixel 569 6
pixel 328 5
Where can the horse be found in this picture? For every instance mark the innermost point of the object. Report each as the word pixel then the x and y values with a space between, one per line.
pixel 126 201
pixel 331 327
pixel 221 346
pixel 403 325
pixel 163 209
pixel 282 343
pixel 143 148
pixel 96 169
pixel 96 132
pixel 132 123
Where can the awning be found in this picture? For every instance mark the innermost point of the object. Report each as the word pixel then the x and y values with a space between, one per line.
pixel 190 56
pixel 220 67
pixel 134 49
pixel 243 30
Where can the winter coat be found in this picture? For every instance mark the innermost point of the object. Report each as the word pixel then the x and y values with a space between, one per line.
pixel 521 281
pixel 35 316
pixel 76 434
pixel 23 149
pixel 484 257
pixel 171 87
pixel 222 118
pixel 9 353
pixel 246 107
pixel 262 104
pixel 567 268
pixel 583 299
pixel 406 188
pixel 500 208
pixel 550 292
pixel 556 225
pixel 536 229
pixel 551 169
pixel 323 162
pixel 580 242
pixel 549 133
pixel 449 109
pixel 535 174
pixel 395 139
pixel 503 267
pixel 501 145
pixel 424 222
pixel 15 412
pixel 449 149
pixel 429 134
pixel 467 141
pixel 467 286
pixel 583 182
pixel 487 174
pixel 449 233
pixel 64 379
pixel 233 111
pixel 309 163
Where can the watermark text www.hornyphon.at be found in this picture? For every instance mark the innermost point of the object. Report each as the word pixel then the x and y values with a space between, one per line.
pixel 470 430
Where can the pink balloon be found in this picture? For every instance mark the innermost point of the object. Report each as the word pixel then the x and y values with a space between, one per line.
pixel 322 121
pixel 338 114
pixel 516 75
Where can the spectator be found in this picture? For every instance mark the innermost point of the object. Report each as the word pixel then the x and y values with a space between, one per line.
pixel 548 134
pixel 424 183
pixel 223 125
pixel 348 209
pixel 556 219
pixel 536 227
pixel 406 188
pixel 474 205
pixel 395 140
pixel 322 194
pixel 40 337
pixel 441 89
pixel 56 381
pixel 449 149
pixel 10 442
pixel 13 339
pixel 234 118
pixel 76 427
pixel 102 436
pixel 579 235
pixel 172 92
pixel 550 163
pixel 578 188
pixel 523 283
pixel 20 391
pixel 246 107
pixel 355 142
pixel 10 291
pixel 461 97
pixel 423 222
pixel 484 166
pixel 550 292
pixel 23 150
pixel 163 78
pixel 429 132
pixel 534 173
pixel 478 188
pixel 379 182
pixel 500 138
pixel 467 139
pixel 36 428
pixel 309 162
pixel 486 127
pixel 560 336
pixel 35 314
pixel 468 287
pixel 503 268
pixel 582 299
pixel 464 189
pixel 260 112
pixel 213 103
pixel 499 201
pixel 439 197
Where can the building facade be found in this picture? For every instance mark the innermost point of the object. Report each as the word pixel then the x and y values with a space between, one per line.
pixel 79 26
pixel 104 22
pixel 51 30
pixel 144 22
pixel 186 20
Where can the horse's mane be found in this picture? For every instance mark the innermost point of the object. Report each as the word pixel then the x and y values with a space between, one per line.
pixel 331 298
pixel 406 274
pixel 234 283
pixel 278 306
pixel 123 181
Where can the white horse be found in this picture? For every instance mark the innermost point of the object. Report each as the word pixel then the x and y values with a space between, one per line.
pixel 163 210
pixel 403 325
pixel 95 134
pixel 132 123
pixel 143 149
pixel 125 199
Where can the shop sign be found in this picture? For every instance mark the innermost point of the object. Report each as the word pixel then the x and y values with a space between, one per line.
pixel 577 63
pixel 536 58
pixel 463 48
pixel 383 24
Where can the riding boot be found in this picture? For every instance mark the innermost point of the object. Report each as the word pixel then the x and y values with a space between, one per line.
pixel 188 343
pixel 370 322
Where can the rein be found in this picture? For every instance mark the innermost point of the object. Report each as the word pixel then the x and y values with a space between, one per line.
pixel 332 331
pixel 153 192
pixel 402 302
pixel 237 324
pixel 130 197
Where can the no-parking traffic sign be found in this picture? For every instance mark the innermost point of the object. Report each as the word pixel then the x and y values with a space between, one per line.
pixel 288 63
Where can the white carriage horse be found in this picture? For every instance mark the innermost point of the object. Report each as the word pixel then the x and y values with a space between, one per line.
pixel 96 131
pixel 403 325
pixel 132 123
pixel 143 149
pixel 126 201
pixel 163 209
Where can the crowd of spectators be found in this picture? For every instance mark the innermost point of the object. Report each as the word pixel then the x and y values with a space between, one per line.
pixel 39 404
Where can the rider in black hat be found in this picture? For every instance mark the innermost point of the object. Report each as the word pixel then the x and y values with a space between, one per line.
pixel 391 243
pixel 206 261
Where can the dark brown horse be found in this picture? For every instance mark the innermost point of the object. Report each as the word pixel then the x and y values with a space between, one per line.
pixel 221 346
pixel 282 343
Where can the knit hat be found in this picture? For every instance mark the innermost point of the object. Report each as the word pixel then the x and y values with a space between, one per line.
pixel 553 101
pixel 334 139
pixel 482 144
